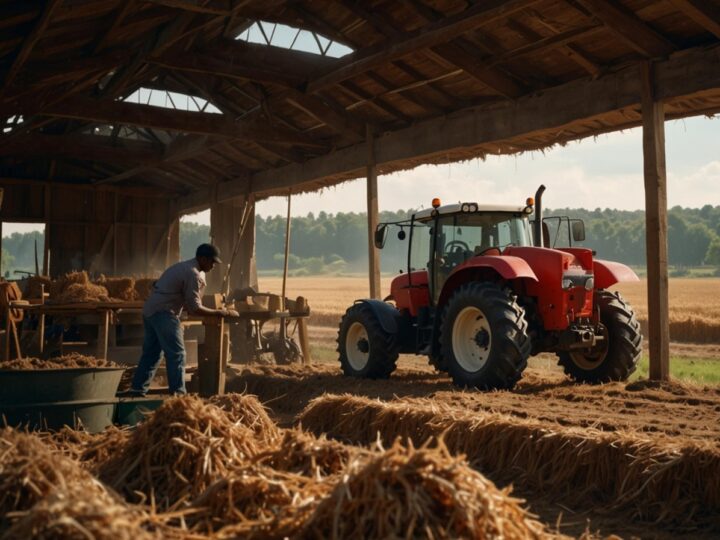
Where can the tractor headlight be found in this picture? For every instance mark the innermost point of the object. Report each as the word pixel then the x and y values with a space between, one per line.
pixel 590 284
pixel 465 207
pixel 567 283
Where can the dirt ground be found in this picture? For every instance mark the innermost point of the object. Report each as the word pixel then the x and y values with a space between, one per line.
pixel 667 413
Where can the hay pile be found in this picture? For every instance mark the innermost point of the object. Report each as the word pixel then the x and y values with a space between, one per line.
pixel 89 449
pixel 424 493
pixel 247 410
pixel 302 453
pixel 181 449
pixel 668 481
pixel 29 471
pixel 71 512
pixel 257 502
pixel 143 288
pixel 59 285
pixel 119 288
pixel 67 361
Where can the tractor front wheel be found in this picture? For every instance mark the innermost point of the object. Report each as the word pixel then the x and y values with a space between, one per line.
pixel 366 349
pixel 484 337
pixel 616 356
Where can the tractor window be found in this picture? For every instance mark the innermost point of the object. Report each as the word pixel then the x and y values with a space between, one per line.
pixel 463 236
pixel 421 246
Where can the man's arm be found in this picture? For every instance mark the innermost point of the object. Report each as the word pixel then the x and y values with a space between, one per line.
pixel 193 300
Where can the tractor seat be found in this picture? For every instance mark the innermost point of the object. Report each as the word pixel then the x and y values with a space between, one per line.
pixel 480 250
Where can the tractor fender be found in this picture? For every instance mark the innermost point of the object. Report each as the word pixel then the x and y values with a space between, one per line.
pixel 608 273
pixel 506 267
pixel 388 316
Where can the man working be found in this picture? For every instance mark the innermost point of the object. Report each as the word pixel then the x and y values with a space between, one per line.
pixel 181 286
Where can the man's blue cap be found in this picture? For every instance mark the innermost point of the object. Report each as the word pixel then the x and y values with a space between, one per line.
pixel 209 251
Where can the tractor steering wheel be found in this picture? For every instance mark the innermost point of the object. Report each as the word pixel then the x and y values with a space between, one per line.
pixel 455 246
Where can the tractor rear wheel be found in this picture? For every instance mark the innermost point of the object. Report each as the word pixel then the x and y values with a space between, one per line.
pixel 617 355
pixel 366 349
pixel 483 337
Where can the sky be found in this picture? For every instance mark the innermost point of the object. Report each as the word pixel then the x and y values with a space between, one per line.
pixel 605 172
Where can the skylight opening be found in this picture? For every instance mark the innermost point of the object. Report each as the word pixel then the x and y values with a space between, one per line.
pixel 296 39
pixel 171 100
pixel 12 122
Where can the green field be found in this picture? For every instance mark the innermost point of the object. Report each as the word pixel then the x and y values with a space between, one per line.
pixel 695 370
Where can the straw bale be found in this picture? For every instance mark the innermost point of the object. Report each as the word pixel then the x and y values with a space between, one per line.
pixel 143 287
pixel 174 455
pixel 423 493
pixel 79 293
pixel 30 470
pixel 34 286
pixel 120 288
pixel 665 480
pixel 66 361
pixel 303 453
pixel 70 513
pixel 246 409
pixel 58 286
pixel 257 502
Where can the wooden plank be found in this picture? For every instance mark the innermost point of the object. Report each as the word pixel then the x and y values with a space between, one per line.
pixel 702 12
pixel 438 32
pixel 192 6
pixel 656 227
pixel 372 216
pixel 211 372
pixel 103 333
pixel 629 28
pixel 98 258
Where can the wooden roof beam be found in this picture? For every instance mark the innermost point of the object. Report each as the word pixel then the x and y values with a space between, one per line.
pixel 554 111
pixel 82 147
pixel 193 6
pixel 702 12
pixel 435 33
pixel 629 27
pixel 134 114
pixel 30 41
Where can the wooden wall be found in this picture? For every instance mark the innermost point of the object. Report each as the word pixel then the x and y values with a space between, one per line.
pixel 100 229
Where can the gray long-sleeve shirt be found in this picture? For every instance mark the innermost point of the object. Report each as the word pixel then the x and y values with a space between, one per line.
pixel 180 286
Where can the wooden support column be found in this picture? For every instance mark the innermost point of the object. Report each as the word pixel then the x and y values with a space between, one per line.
pixel 653 115
pixel 372 214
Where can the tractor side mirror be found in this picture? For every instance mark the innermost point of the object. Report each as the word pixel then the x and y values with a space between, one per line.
pixel 578 230
pixel 401 234
pixel 380 236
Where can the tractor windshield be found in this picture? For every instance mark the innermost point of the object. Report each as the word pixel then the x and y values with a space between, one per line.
pixel 464 235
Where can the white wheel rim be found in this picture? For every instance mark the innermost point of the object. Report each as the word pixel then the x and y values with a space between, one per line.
pixel 471 339
pixel 356 334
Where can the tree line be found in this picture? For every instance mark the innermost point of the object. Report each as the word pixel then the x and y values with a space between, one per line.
pixel 337 243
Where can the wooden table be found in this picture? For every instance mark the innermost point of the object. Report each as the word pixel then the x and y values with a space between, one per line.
pixel 104 311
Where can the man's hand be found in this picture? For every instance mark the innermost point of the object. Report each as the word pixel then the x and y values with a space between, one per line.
pixel 228 313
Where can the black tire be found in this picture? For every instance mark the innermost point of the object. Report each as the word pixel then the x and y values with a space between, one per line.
pixel 382 348
pixel 507 344
pixel 624 345
pixel 438 362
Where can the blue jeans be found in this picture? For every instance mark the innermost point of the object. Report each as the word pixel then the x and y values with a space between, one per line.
pixel 162 333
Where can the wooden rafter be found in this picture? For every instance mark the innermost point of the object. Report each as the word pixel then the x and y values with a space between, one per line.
pixel 629 27
pixel 435 33
pixel 134 114
pixel 702 12
pixel 30 41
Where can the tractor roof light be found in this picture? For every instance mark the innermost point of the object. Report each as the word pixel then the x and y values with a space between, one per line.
pixel 529 203
pixel 436 203
pixel 465 207
pixel 473 207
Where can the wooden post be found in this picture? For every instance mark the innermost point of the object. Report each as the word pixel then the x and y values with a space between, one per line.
pixel 212 362
pixel 46 242
pixel 287 256
pixel 372 214
pixel 653 115
pixel 103 334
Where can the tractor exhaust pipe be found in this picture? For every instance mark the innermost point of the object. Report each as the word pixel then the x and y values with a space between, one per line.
pixel 537 233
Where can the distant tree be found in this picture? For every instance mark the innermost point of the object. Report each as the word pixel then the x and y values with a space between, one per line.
pixel 712 257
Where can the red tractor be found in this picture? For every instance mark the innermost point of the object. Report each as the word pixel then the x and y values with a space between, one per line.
pixel 480 296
